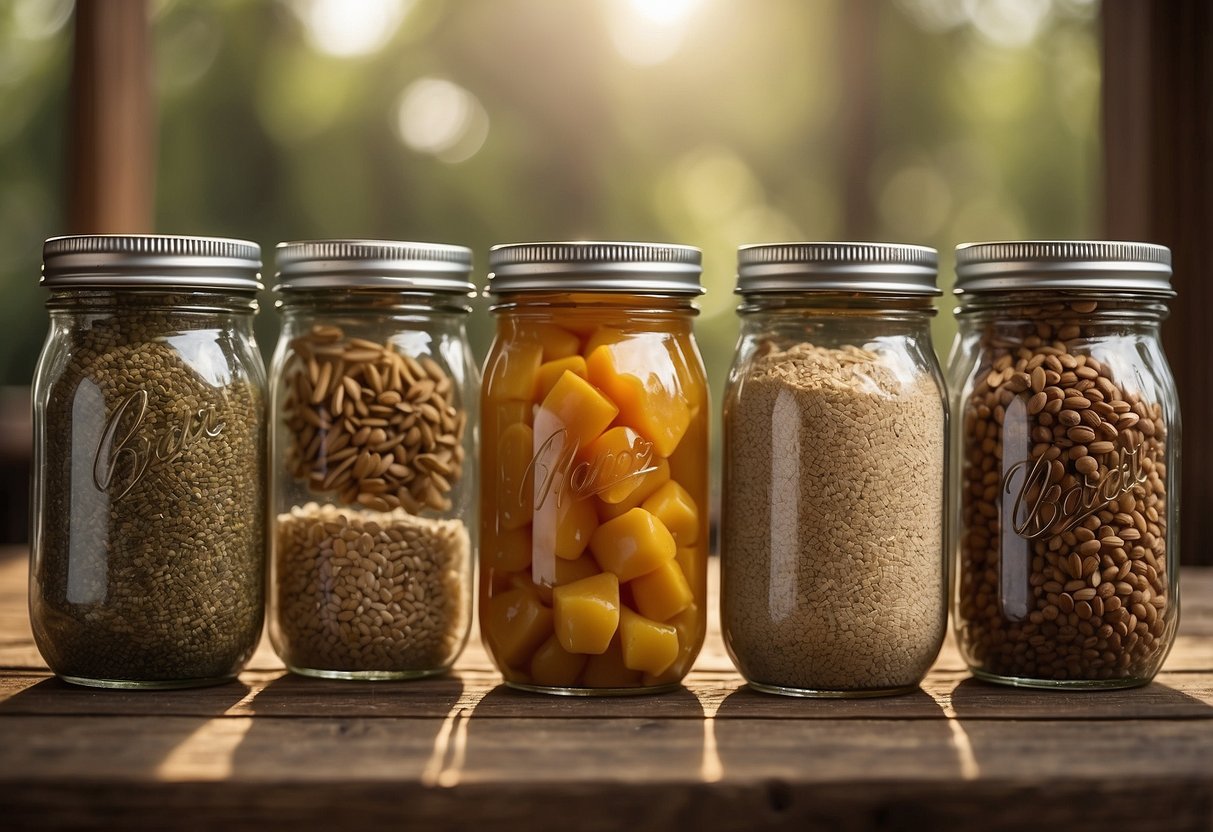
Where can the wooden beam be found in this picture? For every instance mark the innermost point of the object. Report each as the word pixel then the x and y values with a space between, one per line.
pixel 1158 170
pixel 112 143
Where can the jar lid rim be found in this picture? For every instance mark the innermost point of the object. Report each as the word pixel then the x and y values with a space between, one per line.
pixel 439 268
pixel 103 261
pixel 1111 265
pixel 595 266
pixel 820 267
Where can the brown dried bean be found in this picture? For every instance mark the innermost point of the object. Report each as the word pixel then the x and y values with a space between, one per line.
pixel 1089 573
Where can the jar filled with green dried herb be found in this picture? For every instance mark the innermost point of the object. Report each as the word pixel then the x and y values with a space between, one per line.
pixel 148 536
pixel 374 390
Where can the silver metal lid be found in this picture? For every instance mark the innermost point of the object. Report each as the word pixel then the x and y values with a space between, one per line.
pixel 132 261
pixel 1062 264
pixel 587 266
pixel 374 264
pixel 871 268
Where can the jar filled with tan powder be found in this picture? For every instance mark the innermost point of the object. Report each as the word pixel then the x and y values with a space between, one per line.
pixel 372 430
pixel 1066 463
pixel 832 558
pixel 149 462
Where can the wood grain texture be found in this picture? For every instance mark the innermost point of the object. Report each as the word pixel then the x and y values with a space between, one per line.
pixel 272 749
pixel 112 152
pixel 1157 96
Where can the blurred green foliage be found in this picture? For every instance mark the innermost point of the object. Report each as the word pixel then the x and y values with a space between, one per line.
pixel 707 122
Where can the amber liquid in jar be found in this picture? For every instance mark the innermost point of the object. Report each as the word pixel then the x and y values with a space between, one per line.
pixel 594 509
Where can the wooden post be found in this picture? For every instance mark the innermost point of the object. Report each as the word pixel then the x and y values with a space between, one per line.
pixel 858 117
pixel 1158 169
pixel 112 144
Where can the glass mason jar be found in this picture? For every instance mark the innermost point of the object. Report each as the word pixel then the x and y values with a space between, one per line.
pixel 594 516
pixel 1066 464
pixel 373 438
pixel 149 464
pixel 832 555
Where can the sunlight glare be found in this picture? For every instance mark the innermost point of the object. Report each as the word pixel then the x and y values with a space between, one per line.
pixel 649 32
pixel 350 28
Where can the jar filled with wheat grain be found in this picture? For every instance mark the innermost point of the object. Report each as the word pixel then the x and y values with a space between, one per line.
pixel 1066 460
pixel 372 432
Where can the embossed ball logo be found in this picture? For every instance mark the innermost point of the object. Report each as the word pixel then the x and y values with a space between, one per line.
pixel 129 449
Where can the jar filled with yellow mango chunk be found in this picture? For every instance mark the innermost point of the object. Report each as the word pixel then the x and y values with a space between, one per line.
pixel 594 492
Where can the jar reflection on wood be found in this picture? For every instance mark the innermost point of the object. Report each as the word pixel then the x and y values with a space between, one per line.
pixel 374 445
pixel 595 511
pixel 832 557
pixel 147 556
pixel 1067 463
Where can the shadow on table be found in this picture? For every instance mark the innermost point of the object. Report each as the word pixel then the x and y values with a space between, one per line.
pixel 306 729
pixel 644 738
pixel 293 695
pixel 975 699
pixel 781 739
pixel 142 731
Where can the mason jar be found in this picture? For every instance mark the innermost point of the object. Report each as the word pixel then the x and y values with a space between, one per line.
pixel 831 557
pixel 1066 449
pixel 373 438
pixel 149 462
pixel 594 507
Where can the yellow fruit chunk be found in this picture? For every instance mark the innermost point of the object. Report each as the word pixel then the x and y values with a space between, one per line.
pixel 688 365
pixel 688 463
pixel 517 624
pixel 587 613
pixel 628 372
pixel 563 572
pixel 511 373
pixel 612 461
pixel 602 336
pixel 692 562
pixel 510 550
pixel 648 645
pixel 576 521
pixel 550 372
pixel 555 666
pixel 515 486
pixel 690 625
pixel 649 483
pixel 608 670
pixel 556 342
pixel 673 506
pixel 575 405
pixel 663 593
pixel 632 545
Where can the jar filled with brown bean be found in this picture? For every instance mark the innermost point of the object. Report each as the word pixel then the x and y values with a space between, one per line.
pixel 1066 463
pixel 374 396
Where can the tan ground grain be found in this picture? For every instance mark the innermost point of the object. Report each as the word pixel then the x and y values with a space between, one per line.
pixel 370 591
pixel 1097 595
pixel 831 543
pixel 164 583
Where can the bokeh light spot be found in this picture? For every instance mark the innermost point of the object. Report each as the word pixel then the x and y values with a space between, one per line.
pixel 350 28
pixel 439 117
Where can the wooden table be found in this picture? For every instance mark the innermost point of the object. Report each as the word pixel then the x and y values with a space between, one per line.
pixel 464 751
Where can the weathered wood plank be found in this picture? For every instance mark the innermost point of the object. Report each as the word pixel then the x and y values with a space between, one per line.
pixel 1177 805
pixel 276 694
pixel 637 750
